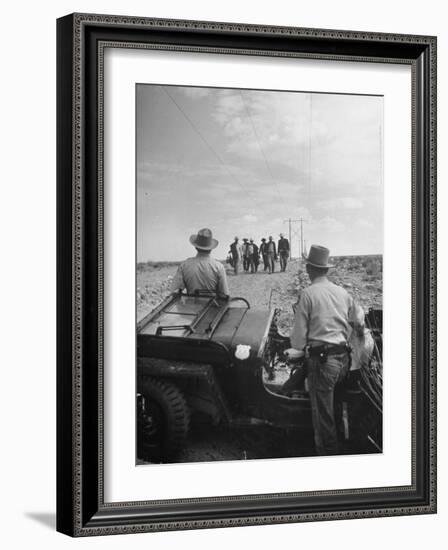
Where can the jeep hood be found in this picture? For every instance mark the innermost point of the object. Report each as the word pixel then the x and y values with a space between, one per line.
pixel 247 327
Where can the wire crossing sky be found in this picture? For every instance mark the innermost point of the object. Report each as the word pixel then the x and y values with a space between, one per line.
pixel 242 161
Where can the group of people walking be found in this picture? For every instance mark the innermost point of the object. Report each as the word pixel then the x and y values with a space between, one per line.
pixel 248 254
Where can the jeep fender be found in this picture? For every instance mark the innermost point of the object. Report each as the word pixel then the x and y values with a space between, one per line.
pixel 206 397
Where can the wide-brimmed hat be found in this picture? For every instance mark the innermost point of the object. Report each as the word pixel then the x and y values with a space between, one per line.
pixel 204 240
pixel 318 256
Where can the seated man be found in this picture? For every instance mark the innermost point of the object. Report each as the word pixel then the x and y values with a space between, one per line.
pixel 201 272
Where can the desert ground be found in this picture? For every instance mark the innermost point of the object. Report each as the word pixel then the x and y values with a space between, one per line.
pixel 359 275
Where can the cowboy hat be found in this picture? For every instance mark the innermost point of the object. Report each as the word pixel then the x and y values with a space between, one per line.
pixel 204 240
pixel 318 256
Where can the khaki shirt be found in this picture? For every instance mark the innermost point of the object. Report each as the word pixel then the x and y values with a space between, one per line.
pixel 325 313
pixel 201 272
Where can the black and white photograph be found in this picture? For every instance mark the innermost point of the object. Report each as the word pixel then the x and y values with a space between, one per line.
pixel 259 288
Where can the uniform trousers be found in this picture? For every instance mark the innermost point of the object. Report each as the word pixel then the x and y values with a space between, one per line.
pixel 323 376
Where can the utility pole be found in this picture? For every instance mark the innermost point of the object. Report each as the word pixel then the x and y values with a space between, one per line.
pixel 290 222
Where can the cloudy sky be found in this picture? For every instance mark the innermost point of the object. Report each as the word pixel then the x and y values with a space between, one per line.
pixel 242 161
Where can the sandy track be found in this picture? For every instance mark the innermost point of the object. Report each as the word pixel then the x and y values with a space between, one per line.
pixel 263 290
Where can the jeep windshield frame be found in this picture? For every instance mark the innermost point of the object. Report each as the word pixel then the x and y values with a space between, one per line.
pixel 183 313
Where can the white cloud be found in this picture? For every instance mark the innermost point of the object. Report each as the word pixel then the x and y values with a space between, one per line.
pixel 348 203
pixel 365 224
pixel 270 157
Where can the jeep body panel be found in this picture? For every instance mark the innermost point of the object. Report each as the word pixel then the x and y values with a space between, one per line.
pixel 197 323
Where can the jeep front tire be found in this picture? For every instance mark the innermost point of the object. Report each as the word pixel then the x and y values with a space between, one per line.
pixel 162 420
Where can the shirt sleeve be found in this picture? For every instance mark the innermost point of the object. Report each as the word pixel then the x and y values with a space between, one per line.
pixel 300 329
pixel 223 287
pixel 178 280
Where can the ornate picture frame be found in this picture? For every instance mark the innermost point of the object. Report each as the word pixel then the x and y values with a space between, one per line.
pixel 81 506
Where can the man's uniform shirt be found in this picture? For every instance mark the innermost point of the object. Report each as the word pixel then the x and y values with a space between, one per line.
pixel 202 272
pixel 325 314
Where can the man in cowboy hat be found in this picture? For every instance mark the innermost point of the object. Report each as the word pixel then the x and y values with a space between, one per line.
pixel 324 318
pixel 236 253
pixel 202 272
pixel 255 256
pixel 264 253
pixel 283 251
pixel 245 253
pixel 271 254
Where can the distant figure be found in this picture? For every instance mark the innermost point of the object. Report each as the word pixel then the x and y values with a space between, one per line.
pixel 236 253
pixel 271 254
pixel 251 255
pixel 255 255
pixel 264 253
pixel 244 250
pixel 202 272
pixel 283 251
pixel 324 318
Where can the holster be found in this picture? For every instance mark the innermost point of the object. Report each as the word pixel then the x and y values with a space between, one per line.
pixel 323 351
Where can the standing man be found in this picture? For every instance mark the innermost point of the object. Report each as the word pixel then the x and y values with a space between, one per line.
pixel 271 254
pixel 251 255
pixel 235 251
pixel 245 248
pixel 264 253
pixel 283 251
pixel 256 255
pixel 322 324
pixel 202 272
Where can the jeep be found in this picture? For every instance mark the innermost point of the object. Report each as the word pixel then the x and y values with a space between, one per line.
pixel 215 355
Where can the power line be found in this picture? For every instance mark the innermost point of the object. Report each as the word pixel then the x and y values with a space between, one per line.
pixel 310 138
pixel 259 146
pixel 205 141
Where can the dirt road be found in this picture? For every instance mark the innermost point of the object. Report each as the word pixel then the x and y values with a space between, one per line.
pixel 360 275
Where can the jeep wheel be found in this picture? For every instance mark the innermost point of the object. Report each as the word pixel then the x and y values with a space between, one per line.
pixel 162 420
